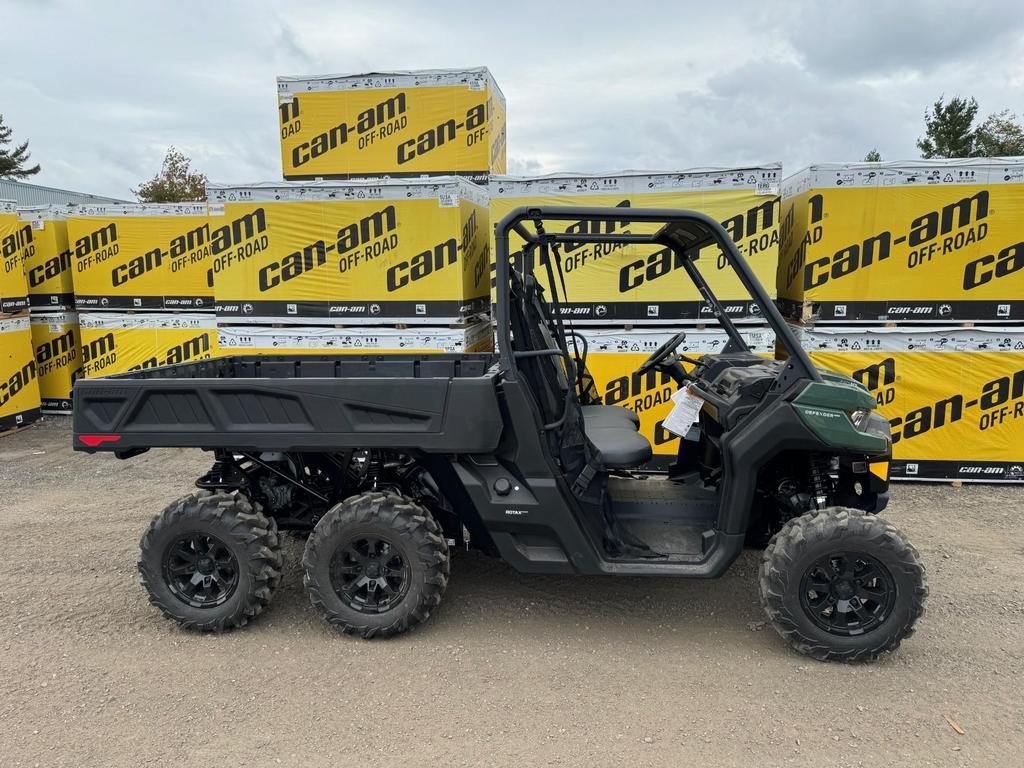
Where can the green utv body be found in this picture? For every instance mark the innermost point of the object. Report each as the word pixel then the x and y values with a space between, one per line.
pixel 388 462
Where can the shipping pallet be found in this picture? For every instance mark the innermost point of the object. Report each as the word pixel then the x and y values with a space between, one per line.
pixel 397 325
pixel 867 325
pixel 15 430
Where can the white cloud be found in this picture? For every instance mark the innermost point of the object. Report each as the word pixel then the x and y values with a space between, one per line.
pixel 102 88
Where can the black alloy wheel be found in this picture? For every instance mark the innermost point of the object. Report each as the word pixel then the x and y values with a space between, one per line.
pixel 200 570
pixel 847 593
pixel 376 564
pixel 370 574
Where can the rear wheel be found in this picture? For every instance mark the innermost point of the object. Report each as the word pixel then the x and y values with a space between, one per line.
pixel 210 561
pixel 842 585
pixel 376 565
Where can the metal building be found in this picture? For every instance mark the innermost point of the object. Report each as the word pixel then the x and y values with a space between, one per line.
pixel 34 194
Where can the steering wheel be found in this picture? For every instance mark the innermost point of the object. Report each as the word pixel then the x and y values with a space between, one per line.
pixel 662 353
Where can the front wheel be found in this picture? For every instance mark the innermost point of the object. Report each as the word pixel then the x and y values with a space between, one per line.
pixel 842 585
pixel 376 565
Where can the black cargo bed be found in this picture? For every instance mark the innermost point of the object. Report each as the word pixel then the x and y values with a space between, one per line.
pixel 437 403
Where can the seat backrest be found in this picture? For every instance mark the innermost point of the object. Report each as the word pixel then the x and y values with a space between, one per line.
pixel 545 373
pixel 546 376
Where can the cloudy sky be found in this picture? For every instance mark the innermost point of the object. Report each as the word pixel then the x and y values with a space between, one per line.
pixel 102 88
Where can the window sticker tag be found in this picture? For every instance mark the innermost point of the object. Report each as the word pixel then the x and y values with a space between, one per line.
pixel 685 412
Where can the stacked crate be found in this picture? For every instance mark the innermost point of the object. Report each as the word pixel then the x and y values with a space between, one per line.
pixel 909 276
pixel 358 257
pixel 431 122
pixel 143 285
pixel 19 384
pixel 378 238
pixel 56 336
pixel 627 300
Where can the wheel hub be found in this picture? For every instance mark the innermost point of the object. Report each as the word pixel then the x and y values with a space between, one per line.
pixel 843 589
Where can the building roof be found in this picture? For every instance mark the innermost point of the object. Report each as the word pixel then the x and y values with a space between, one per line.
pixel 35 194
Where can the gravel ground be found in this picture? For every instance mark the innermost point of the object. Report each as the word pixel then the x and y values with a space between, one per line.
pixel 512 670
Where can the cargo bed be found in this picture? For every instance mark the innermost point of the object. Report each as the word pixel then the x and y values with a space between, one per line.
pixel 436 403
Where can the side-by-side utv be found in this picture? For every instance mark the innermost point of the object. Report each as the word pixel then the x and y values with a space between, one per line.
pixel 388 462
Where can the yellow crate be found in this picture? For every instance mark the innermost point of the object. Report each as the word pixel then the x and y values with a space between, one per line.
pixel 16 246
pixel 19 385
pixel 121 342
pixel 925 241
pixel 147 256
pixel 48 267
pixel 350 252
pixel 428 122
pixel 58 349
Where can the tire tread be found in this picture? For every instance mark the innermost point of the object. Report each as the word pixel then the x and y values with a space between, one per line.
pixel 242 522
pixel 877 535
pixel 407 519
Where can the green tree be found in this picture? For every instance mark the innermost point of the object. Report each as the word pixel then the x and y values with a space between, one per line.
pixel 12 161
pixel 176 182
pixel 949 128
pixel 873 156
pixel 1001 135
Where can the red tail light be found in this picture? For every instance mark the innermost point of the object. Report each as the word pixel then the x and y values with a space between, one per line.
pixel 93 440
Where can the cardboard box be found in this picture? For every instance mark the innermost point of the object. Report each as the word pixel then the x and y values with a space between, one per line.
pixel 954 396
pixel 637 284
pixel 115 342
pixel 369 252
pixel 19 385
pixel 145 256
pixel 16 245
pixel 48 267
pixel 58 350
pixel 614 355
pixel 921 241
pixel 401 124
pixel 242 339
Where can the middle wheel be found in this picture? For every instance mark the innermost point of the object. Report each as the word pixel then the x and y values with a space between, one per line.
pixel 376 564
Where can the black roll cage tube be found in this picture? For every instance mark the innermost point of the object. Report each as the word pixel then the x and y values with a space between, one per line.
pixel 697 229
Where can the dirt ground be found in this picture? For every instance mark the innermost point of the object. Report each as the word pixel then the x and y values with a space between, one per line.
pixel 512 670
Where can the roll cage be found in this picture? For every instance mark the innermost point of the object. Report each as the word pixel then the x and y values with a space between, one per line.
pixel 685 233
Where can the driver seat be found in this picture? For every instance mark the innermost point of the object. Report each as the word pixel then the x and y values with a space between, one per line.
pixel 619 446
pixel 609 415
pixel 610 429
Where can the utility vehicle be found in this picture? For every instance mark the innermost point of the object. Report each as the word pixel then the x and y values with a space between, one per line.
pixel 388 462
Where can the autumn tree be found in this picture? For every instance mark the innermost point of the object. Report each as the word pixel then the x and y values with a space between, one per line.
pixel 12 161
pixel 176 182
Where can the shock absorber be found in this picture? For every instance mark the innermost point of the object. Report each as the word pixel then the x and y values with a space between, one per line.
pixel 373 470
pixel 819 481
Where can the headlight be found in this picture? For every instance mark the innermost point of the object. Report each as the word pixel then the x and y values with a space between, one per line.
pixel 859 419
